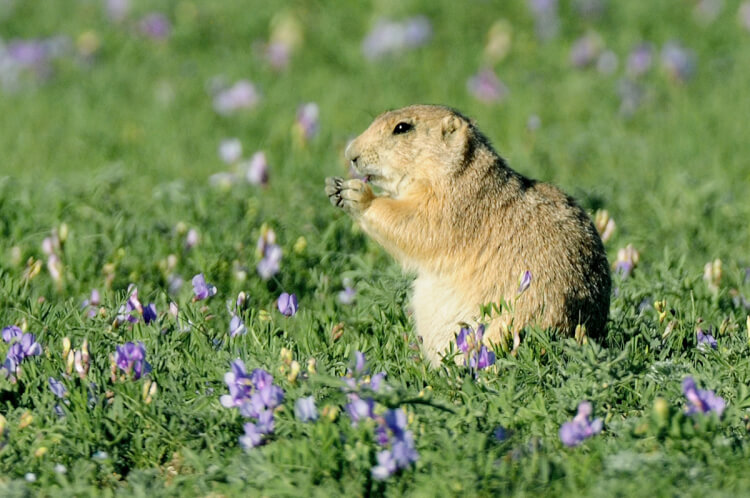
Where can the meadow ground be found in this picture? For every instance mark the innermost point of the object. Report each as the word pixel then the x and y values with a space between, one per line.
pixel 113 177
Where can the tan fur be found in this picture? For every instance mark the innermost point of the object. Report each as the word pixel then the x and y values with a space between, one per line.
pixel 452 211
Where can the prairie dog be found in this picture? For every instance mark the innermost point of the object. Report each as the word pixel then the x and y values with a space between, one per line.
pixel 452 211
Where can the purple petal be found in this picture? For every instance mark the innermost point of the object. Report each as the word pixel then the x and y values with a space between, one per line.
pixel 359 362
pixel 386 466
pixel 11 332
pixel 149 313
pixel 305 410
pixel 524 282
pixel 252 437
pixel 57 387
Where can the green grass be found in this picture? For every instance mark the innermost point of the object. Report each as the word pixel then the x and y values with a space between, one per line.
pixel 98 147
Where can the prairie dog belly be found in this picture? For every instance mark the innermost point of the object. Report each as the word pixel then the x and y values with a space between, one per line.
pixel 439 306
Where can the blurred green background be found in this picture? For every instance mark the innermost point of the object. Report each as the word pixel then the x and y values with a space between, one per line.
pixel 117 101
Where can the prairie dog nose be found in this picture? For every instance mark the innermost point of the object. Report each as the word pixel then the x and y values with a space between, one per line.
pixel 352 151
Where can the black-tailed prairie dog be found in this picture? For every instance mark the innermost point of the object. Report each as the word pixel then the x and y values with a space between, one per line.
pixel 451 210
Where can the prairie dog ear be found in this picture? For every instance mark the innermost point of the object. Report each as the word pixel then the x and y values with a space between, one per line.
pixel 451 127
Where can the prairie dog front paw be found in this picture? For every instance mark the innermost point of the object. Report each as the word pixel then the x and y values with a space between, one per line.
pixel 353 196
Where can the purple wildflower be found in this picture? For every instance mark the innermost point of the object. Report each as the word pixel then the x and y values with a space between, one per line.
pixel 117 9
pixel 476 354
pixel 585 50
pixel 308 120
pixel 92 303
pixel 236 326
pixel 20 347
pixel 359 362
pixel 12 332
pixel 201 289
pixel 349 294
pixel 640 60
pixel 574 432
pixel 174 283
pixel 524 282
pixel 386 466
pixel 501 434
pixel 462 340
pixel 391 37
pixel 239 384
pixel 191 239
pixel 359 409
pixel 271 396
pixel 701 401
pixel 287 304
pixel 417 31
pixel 241 95
pixel 546 19
pixel 252 437
pixel 57 387
pixel 705 339
pixel 256 169
pixel 484 359
pixel 28 53
pixel 486 86
pixel 402 451
pixel 678 61
pixel 230 150
pixel 256 396
pixel 29 345
pixel 270 253
pixel 304 409
pixel 265 424
pixel 277 54
pixel 131 357
pixel 627 259
pixel 149 313
pixel 155 26
pixel 131 309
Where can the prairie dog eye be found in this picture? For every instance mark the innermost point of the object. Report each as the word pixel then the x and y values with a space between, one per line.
pixel 402 127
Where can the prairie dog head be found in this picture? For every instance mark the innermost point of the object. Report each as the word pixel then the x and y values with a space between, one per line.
pixel 416 144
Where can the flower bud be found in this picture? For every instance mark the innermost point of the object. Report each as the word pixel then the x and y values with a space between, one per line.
pixel 311 363
pixel 62 233
pixel 286 356
pixel 40 451
pixel 241 300
pixel 26 419
pixel 112 368
pixel 70 362
pixel 330 412
pixel 668 329
pixel 580 334
pixel 149 391
pixel 712 273
pixel 661 411
pixel 604 224
pixel 294 371
pixel 66 347
pixel 300 245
